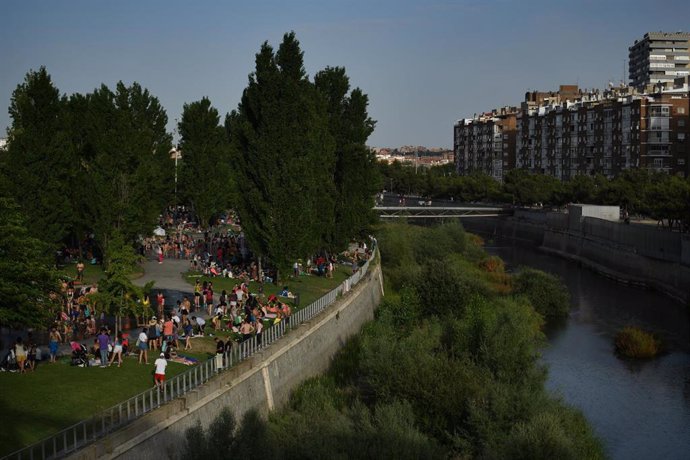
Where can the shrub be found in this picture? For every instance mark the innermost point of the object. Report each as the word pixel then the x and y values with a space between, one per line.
pixel 547 293
pixel 633 342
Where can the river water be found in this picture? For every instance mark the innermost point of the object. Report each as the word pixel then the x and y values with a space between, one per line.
pixel 641 410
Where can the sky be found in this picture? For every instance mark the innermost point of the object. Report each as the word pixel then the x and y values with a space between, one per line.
pixel 423 64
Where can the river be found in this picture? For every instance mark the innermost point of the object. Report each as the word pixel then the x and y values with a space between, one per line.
pixel 641 410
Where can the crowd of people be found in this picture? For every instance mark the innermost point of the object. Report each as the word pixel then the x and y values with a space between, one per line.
pixel 219 252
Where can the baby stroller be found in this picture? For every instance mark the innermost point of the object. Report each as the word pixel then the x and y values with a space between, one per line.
pixel 9 364
pixel 79 355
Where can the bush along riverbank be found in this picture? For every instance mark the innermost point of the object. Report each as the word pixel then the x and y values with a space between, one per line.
pixel 449 368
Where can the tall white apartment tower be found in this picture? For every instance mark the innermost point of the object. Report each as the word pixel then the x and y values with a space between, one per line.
pixel 658 58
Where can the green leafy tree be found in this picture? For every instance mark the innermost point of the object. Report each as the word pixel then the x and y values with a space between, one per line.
pixel 28 283
pixel 38 162
pixel 117 295
pixel 285 158
pixel 356 176
pixel 124 160
pixel 205 171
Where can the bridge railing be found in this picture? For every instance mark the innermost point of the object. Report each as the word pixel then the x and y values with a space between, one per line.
pixel 87 431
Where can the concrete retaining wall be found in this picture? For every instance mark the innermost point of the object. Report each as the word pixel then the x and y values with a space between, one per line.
pixel 645 256
pixel 262 382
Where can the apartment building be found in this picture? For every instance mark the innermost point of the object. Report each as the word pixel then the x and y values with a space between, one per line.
pixel 658 58
pixel 486 143
pixel 606 132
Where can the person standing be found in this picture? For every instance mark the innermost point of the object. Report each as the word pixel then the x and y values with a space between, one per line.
pixel 159 373
pixel 160 254
pixel 20 353
pixel 117 351
pixel 220 350
pixel 160 301
pixel 188 332
pixel 54 339
pixel 80 271
pixel 142 344
pixel 103 342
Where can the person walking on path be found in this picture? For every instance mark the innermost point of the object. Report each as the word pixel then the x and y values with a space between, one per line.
pixel 159 373
pixel 103 342
pixel 54 339
pixel 143 345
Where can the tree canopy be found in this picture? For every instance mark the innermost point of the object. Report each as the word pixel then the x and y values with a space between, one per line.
pixel 304 175
pixel 205 181
pixel 28 286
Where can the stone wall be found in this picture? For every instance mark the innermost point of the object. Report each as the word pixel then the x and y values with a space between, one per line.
pixel 262 382
pixel 650 257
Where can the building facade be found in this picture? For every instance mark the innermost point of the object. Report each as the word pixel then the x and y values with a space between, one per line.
pixel 572 132
pixel 606 133
pixel 658 58
pixel 486 143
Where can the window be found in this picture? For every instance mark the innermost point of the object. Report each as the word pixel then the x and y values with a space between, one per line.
pixel 681 161
pixel 681 136
pixel 681 122
pixel 658 162
pixel 680 110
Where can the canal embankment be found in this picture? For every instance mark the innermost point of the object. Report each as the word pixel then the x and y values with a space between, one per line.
pixel 635 254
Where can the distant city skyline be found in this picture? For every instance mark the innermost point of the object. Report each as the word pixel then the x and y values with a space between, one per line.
pixel 423 64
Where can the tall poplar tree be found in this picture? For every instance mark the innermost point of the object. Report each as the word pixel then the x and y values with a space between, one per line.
pixel 285 159
pixel 356 176
pixel 124 155
pixel 205 171
pixel 38 162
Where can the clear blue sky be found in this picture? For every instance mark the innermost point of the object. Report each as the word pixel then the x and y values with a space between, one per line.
pixel 423 64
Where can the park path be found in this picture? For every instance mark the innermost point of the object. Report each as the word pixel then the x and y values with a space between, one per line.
pixel 167 275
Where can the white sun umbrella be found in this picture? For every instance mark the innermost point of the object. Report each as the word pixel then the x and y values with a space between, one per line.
pixel 159 231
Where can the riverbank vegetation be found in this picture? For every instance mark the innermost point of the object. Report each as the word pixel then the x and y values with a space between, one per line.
pixel 633 342
pixel 448 369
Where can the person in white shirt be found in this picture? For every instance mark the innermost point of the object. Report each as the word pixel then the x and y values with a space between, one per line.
pixel 143 344
pixel 159 375
pixel 201 322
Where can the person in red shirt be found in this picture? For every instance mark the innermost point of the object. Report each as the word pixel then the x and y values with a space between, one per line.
pixel 160 300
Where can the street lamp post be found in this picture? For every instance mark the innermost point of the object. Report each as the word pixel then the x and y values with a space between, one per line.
pixel 176 155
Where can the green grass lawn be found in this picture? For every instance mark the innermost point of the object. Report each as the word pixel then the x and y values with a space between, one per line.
pixel 55 396
pixel 309 287
pixel 93 273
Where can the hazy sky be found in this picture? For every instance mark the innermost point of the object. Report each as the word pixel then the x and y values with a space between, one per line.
pixel 423 64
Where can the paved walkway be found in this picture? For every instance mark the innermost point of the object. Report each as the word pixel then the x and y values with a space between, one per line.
pixel 167 275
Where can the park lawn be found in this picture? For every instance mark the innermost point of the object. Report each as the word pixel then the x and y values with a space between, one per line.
pixel 309 287
pixel 94 273
pixel 55 396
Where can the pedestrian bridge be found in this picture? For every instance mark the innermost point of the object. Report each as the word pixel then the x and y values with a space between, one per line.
pixel 440 212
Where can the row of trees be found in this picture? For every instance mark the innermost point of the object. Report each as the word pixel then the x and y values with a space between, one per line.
pixel 657 195
pixel 291 159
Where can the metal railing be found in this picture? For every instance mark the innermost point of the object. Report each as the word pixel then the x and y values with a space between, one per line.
pixel 87 431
